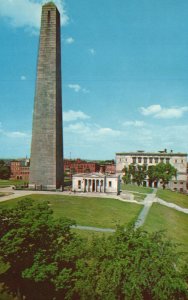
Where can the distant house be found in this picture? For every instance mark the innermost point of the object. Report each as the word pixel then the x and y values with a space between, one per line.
pixel 96 183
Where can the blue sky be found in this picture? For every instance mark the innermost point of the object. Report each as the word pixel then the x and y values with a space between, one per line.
pixel 125 75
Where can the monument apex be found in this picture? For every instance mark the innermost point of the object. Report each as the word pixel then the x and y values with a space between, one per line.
pixel 46 168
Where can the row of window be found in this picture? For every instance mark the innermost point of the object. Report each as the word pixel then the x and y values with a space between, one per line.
pixel 98 183
pixel 150 160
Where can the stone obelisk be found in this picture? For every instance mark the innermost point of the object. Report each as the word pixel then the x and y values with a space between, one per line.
pixel 46 167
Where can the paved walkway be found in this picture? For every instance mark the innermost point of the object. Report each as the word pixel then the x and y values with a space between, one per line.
pixel 172 205
pixel 148 201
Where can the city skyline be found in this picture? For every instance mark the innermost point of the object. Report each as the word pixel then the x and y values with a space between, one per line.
pixel 124 68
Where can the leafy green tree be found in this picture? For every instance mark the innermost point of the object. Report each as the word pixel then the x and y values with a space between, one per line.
pixel 30 239
pixel 135 174
pixel 162 172
pixel 127 175
pixel 4 170
pixel 47 261
pixel 131 264
pixel 151 173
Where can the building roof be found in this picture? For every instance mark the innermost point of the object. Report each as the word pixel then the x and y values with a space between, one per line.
pixel 95 175
pixel 160 153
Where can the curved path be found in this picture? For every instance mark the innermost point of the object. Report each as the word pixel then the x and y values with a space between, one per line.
pixel 172 205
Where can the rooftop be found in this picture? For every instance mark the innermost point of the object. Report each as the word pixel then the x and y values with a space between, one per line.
pixel 159 153
pixel 95 175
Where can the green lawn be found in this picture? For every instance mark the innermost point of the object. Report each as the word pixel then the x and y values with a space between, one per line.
pixel 174 197
pixel 139 197
pixel 176 223
pixel 136 188
pixel 98 212
pixel 5 183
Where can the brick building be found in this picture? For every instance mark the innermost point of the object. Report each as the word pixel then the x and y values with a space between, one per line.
pixel 73 166
pixel 20 169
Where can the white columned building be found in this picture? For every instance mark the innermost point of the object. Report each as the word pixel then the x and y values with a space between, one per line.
pixel 96 183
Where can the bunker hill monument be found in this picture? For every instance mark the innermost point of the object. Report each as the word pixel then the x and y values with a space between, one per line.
pixel 46 169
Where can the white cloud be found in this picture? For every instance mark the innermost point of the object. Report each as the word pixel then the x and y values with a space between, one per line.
pixel 69 40
pixel 134 123
pixel 74 115
pixel 163 113
pixel 23 77
pixel 92 51
pixel 77 88
pixel 27 13
pixel 150 110
pixel 167 113
pixel 16 134
pixel 90 131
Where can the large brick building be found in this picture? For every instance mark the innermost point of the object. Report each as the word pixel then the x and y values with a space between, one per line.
pixel 20 169
pixel 73 166
pixel 177 160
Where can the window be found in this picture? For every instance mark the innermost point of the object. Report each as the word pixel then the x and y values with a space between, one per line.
pixel 134 160
pixel 79 184
pixel 151 160
pixel 139 160
pixel 162 159
pixel 167 160
pixel 156 160
pixel 110 183
pixel 145 160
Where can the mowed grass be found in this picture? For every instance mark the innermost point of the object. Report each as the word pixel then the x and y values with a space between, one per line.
pixel 87 211
pixel 5 183
pixel 136 188
pixel 139 197
pixel 173 197
pixel 174 222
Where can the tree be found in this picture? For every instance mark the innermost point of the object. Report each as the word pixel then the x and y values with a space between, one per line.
pixel 4 170
pixel 135 174
pixel 30 239
pixel 48 261
pixel 127 175
pixel 151 173
pixel 131 264
pixel 162 172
